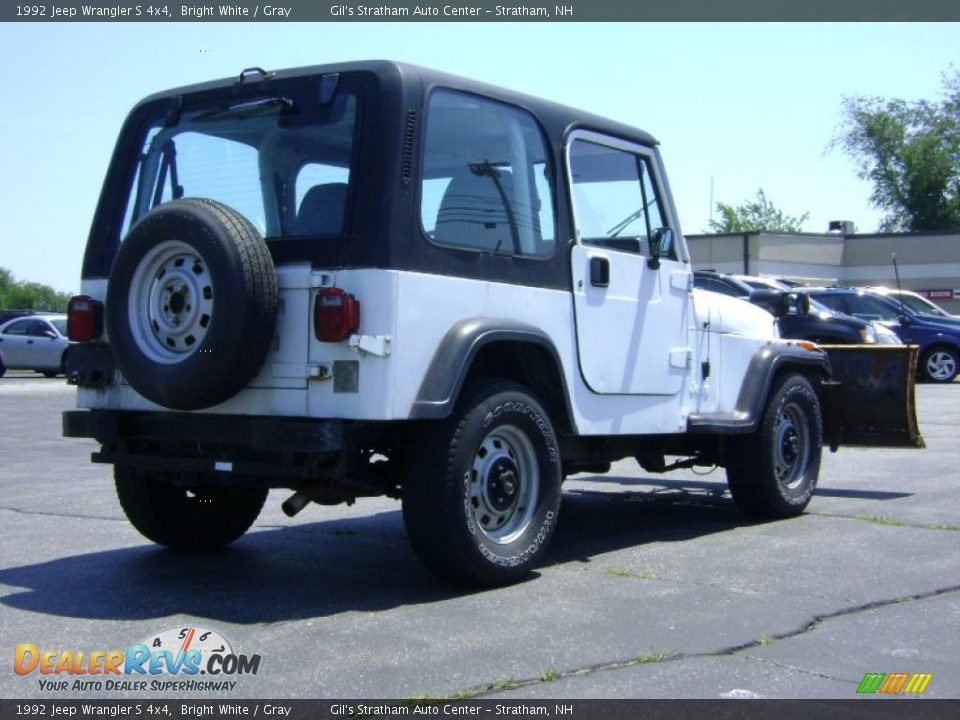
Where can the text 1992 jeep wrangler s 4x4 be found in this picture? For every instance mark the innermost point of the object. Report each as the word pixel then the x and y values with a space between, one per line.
pixel 374 279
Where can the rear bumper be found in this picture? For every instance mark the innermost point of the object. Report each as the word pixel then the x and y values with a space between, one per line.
pixel 270 434
pixel 275 451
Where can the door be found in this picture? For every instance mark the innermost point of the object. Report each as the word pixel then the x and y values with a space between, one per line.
pixel 14 342
pixel 631 308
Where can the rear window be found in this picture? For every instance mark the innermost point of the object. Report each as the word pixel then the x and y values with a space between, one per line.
pixel 284 162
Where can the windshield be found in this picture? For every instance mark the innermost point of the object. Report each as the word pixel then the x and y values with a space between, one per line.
pixel 920 305
pixel 282 162
pixel 61 326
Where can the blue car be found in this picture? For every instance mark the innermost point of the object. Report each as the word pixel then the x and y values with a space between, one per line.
pixel 938 338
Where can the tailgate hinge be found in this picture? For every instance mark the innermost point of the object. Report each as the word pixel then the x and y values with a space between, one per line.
pixel 378 345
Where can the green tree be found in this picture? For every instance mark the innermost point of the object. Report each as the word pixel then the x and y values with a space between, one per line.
pixel 29 295
pixel 910 152
pixel 753 215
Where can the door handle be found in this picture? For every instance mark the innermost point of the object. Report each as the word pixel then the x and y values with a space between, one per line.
pixel 599 272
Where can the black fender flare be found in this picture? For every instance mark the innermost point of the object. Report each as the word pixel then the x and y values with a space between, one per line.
pixel 454 357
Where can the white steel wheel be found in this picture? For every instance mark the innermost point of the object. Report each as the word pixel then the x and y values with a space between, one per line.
pixel 503 484
pixel 171 301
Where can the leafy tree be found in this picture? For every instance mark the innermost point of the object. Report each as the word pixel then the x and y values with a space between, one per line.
pixel 753 215
pixel 29 295
pixel 910 151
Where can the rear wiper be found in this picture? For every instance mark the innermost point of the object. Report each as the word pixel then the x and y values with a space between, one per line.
pixel 247 109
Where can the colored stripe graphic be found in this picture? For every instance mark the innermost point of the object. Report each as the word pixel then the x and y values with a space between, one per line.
pixel 871 682
pixel 918 683
pixel 895 683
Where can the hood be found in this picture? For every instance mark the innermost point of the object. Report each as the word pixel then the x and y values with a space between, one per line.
pixel 733 316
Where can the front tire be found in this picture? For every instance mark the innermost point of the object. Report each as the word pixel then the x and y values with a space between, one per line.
pixel 773 472
pixel 480 503
pixel 183 518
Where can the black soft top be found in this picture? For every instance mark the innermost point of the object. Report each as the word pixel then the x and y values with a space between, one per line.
pixel 383 205
pixel 393 76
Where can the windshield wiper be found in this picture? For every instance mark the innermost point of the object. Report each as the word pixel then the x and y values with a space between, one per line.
pixel 247 109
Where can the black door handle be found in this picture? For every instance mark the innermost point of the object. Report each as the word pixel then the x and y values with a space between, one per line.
pixel 599 272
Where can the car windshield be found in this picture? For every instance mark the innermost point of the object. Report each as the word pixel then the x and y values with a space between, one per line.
pixel 920 305
pixel 283 162
pixel 60 325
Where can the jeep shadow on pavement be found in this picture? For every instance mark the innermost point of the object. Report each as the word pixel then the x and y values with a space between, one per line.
pixel 373 279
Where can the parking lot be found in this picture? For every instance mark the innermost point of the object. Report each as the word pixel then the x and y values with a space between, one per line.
pixel 654 587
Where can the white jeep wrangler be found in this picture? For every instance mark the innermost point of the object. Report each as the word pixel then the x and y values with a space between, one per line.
pixel 375 279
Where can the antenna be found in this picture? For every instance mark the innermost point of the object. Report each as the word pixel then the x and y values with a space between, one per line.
pixel 896 272
pixel 711 198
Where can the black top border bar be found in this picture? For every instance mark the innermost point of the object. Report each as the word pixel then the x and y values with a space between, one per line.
pixel 480 10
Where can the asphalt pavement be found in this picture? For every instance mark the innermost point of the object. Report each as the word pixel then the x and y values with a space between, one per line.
pixel 655 587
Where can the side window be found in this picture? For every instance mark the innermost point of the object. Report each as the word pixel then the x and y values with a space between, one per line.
pixel 615 198
pixel 38 328
pixel 868 308
pixel 20 327
pixel 487 178
pixel 834 302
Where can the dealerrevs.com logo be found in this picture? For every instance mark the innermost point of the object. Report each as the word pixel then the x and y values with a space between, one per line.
pixel 180 659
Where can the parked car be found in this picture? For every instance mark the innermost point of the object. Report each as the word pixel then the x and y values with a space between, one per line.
pixel 820 325
pixel 34 342
pixel 938 338
pixel 6 315
pixel 884 335
pixel 915 302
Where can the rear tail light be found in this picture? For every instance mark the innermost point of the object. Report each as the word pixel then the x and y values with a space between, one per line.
pixel 336 314
pixel 84 318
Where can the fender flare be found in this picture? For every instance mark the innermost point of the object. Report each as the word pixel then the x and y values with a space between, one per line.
pixel 454 357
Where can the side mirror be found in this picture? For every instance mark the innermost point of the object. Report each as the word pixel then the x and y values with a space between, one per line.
pixel 49 334
pixel 905 320
pixel 661 243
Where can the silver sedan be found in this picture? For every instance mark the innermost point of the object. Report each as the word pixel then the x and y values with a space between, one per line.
pixel 35 342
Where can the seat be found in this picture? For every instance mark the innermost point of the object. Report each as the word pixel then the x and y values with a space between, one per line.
pixel 472 213
pixel 322 210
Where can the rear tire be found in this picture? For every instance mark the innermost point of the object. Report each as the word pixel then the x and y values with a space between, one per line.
pixel 190 519
pixel 3 368
pixel 480 501
pixel 773 472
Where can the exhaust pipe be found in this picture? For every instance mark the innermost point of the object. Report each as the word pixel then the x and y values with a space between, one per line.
pixel 295 503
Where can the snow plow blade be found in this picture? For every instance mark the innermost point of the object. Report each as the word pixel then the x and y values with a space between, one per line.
pixel 870 400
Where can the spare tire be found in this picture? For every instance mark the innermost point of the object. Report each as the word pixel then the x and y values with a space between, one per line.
pixel 191 304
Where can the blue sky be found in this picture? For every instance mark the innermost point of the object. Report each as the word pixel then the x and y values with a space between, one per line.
pixel 749 105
